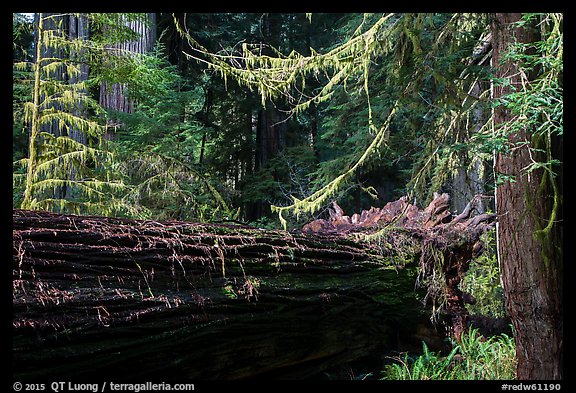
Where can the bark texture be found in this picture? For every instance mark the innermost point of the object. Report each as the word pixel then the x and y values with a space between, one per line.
pixel 115 95
pixel 98 296
pixel 531 266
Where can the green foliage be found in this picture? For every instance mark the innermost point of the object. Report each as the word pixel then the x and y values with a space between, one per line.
pixel 150 173
pixel 443 110
pixel 164 120
pixel 59 164
pixel 109 61
pixel 65 167
pixel 283 176
pixel 372 99
pixel 482 281
pixel 158 144
pixel 272 77
pixel 148 77
pixel 110 29
pixel 366 95
pixel 22 36
pixel 473 358
pixel 428 366
pixel 165 188
pixel 418 53
pixel 231 116
pixel 537 102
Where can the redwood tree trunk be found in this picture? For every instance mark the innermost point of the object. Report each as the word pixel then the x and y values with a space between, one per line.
pixel 114 95
pixel 531 269
pixel 271 125
pixel 101 297
pixel 98 297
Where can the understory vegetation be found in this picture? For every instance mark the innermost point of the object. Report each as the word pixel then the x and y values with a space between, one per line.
pixel 267 119
pixel 474 357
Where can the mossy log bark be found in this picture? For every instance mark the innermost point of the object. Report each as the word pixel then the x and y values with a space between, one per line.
pixel 129 299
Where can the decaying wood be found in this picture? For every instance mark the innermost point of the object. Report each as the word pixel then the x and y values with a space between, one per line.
pixel 401 213
pixel 98 296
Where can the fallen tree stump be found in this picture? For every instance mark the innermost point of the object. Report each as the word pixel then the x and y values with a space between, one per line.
pixel 133 299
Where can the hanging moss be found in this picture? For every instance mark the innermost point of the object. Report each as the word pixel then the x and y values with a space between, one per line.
pixel 59 162
pixel 416 53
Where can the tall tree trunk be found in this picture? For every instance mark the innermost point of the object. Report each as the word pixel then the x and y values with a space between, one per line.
pixel 271 135
pixel 206 111
pixel 78 29
pixel 313 110
pixel 469 178
pixel 173 41
pixel 271 130
pixel 271 126
pixel 531 268
pixel 114 96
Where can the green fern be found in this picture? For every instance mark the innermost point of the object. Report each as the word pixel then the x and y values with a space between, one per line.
pixel 472 358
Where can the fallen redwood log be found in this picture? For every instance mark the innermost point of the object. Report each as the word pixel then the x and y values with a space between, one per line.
pixel 130 299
